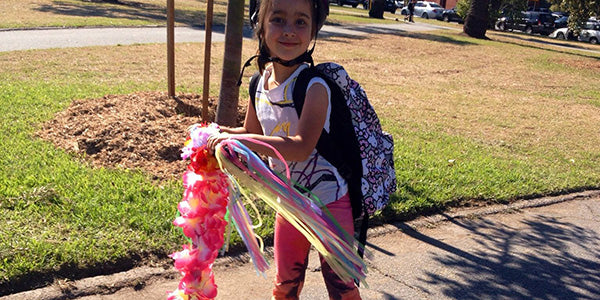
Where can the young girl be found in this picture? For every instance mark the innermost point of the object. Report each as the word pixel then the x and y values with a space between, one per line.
pixel 285 30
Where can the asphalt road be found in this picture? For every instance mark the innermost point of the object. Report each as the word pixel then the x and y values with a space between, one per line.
pixel 546 248
pixel 13 40
pixel 48 38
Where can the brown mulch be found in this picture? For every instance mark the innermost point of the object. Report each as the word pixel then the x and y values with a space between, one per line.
pixel 144 130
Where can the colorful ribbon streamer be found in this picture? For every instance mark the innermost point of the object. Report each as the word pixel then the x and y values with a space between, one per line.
pixel 304 213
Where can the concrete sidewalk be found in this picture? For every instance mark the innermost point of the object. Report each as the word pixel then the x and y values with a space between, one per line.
pixel 546 248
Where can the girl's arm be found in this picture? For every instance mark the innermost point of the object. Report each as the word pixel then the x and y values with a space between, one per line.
pixel 295 147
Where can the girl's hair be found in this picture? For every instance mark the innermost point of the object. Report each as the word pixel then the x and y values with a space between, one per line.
pixel 320 10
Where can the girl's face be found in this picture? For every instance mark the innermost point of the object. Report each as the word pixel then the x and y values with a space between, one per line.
pixel 288 28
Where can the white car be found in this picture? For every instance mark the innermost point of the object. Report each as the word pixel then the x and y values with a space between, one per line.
pixel 562 34
pixel 589 33
pixel 425 10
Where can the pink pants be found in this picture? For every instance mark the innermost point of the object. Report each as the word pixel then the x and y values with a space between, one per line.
pixel 291 258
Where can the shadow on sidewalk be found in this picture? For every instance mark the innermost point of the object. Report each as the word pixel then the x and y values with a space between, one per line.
pixel 535 261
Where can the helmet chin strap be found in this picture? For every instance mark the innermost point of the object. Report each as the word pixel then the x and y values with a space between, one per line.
pixel 263 56
pixel 304 57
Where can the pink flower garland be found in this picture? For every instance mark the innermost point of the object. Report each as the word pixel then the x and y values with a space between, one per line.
pixel 202 212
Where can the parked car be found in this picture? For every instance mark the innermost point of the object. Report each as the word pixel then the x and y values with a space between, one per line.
pixel 558 14
pixel 589 33
pixel 450 15
pixel 563 33
pixel 529 22
pixel 425 10
pixel 561 22
pixel 390 5
pixel 353 3
pixel 399 4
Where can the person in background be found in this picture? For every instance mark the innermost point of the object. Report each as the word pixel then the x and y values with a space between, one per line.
pixel 411 10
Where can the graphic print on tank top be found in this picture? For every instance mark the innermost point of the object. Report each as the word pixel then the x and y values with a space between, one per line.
pixel 278 117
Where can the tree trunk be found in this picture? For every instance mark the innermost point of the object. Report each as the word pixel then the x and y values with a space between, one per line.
pixel 477 20
pixel 377 7
pixel 227 108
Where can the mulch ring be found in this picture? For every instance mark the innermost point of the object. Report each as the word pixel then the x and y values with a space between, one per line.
pixel 143 130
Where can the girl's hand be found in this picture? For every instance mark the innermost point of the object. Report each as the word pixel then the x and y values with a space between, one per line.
pixel 215 139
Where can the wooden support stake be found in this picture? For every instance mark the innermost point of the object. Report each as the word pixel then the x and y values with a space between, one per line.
pixel 207 44
pixel 171 47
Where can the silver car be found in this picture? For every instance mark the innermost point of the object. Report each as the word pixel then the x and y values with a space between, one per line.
pixel 425 10
pixel 589 33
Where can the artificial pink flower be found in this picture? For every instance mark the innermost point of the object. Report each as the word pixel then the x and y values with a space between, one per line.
pixel 177 295
pixel 191 259
pixel 191 226
pixel 199 134
pixel 200 284
pixel 189 178
pixel 203 161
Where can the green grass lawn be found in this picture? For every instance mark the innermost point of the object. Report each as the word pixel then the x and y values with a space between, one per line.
pixel 57 212
pixel 473 121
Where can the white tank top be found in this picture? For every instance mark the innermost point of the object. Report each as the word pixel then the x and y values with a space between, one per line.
pixel 278 117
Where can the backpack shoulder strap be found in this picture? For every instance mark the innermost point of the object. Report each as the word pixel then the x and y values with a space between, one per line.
pixel 329 145
pixel 349 163
pixel 253 87
pixel 299 92
pixel 325 145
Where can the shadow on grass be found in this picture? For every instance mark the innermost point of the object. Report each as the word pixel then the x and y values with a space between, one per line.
pixel 544 259
pixel 131 10
pixel 362 32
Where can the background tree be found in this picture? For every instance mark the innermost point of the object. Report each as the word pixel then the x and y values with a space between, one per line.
pixel 495 8
pixel 376 9
pixel 227 108
pixel 478 19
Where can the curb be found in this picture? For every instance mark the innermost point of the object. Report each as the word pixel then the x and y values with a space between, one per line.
pixel 99 285
pixel 139 277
